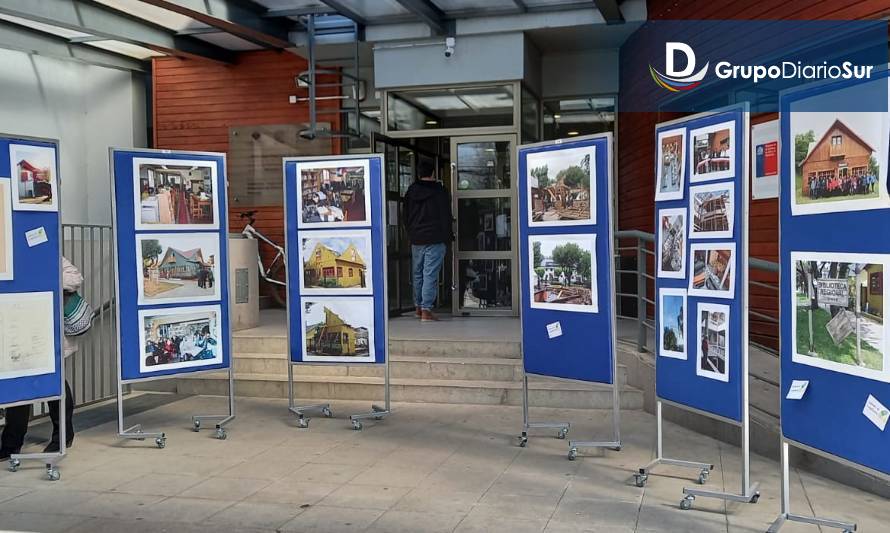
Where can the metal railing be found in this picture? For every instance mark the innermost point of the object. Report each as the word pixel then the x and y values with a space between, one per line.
pixel 92 371
pixel 633 250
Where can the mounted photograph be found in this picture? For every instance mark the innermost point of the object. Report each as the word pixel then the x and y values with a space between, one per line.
pixel 713 269
pixel 712 208
pixel 672 318
pixel 839 313
pixel 670 169
pixel 563 275
pixel 672 243
pixel 713 341
pixel 184 337
pixel 175 194
pixel 712 152
pixel 6 243
pixel 338 330
pixel 33 171
pixel 561 187
pixel 334 193
pixel 177 268
pixel 836 162
pixel 336 262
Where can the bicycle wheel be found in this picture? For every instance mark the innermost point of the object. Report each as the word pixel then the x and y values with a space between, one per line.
pixel 278 292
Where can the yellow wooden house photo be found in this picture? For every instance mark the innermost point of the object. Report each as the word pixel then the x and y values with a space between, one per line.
pixel 336 262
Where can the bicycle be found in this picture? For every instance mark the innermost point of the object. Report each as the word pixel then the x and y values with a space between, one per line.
pixel 275 275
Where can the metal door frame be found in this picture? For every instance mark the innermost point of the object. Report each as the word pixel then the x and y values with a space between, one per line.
pixel 513 254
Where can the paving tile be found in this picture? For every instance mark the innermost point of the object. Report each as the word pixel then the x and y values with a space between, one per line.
pixel 481 521
pixel 180 509
pixel 427 499
pixel 60 501
pixel 43 522
pixel 365 497
pixel 413 521
pixel 255 515
pixel 291 491
pixel 8 493
pixel 160 484
pixel 113 505
pixel 328 473
pixel 227 488
pixel 585 512
pixel 323 519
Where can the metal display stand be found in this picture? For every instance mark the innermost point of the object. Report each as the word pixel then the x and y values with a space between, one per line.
pixel 785 514
pixel 615 443
pixel 137 432
pixel 301 410
pixel 749 492
pixel 563 427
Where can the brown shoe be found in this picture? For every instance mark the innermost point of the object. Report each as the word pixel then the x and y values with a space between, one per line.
pixel 428 316
pixel 418 313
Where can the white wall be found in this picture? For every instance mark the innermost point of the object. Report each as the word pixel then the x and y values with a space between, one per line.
pixel 87 109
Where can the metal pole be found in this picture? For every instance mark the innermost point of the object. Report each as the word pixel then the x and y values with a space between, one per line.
pixel 641 296
pixel 313 112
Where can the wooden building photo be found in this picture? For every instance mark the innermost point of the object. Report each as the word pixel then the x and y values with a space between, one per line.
pixel 338 328
pixel 838 164
pixel 336 260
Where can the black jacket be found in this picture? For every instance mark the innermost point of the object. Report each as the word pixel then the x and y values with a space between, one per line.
pixel 428 213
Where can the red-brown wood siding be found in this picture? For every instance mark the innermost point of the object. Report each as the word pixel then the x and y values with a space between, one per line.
pixel 636 134
pixel 196 102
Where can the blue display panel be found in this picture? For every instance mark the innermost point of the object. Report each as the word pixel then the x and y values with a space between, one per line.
pixel 835 234
pixel 173 301
pixel 568 323
pixel 336 255
pixel 702 177
pixel 34 269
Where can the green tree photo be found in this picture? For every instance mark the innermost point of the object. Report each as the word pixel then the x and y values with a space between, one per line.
pixel 538 256
pixel 151 251
pixel 541 174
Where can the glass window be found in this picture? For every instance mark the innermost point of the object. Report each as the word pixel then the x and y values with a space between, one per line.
pixel 484 224
pixel 456 107
pixel 530 117
pixel 578 116
pixel 485 284
pixel 483 165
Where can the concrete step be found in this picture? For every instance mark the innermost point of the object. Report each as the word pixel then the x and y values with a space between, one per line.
pixel 542 392
pixel 402 366
pixel 277 344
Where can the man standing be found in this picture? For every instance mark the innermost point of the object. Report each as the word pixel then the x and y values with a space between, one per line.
pixel 428 209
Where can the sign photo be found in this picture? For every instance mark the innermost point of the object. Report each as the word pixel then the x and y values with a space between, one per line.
pixel 672 243
pixel 34 177
pixel 712 152
pixel 334 194
pixel 561 187
pixel 563 275
pixel 670 169
pixel 672 317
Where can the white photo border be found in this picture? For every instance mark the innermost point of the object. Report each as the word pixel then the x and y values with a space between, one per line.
pixel 710 187
pixel 695 177
pixel 804 359
pixel 17 205
pixel 594 293
pixel 217 274
pixel 331 163
pixel 8 271
pixel 593 186
pixel 727 295
pixel 669 291
pixel 720 308
pixel 670 195
pixel 197 310
pixel 47 300
pixel 364 234
pixel 372 349
pixel 137 196
pixel 680 274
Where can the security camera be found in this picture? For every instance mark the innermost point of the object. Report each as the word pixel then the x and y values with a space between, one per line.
pixel 449 47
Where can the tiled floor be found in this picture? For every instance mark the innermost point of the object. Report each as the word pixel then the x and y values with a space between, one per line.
pixel 426 468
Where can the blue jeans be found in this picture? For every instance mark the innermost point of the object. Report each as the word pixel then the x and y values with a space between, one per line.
pixel 427 261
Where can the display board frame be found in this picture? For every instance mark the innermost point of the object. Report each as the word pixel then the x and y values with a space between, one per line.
pixel 797 415
pixel 49 386
pixel 125 235
pixel 540 319
pixel 673 374
pixel 296 229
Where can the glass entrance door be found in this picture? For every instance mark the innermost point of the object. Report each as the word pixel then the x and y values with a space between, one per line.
pixel 483 181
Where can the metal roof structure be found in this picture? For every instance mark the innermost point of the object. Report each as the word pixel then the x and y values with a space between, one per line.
pixel 126 33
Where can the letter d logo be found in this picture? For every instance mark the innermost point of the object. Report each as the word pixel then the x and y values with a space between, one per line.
pixel 678 80
pixel 670 53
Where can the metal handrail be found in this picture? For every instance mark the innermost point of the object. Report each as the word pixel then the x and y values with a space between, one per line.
pixel 643 248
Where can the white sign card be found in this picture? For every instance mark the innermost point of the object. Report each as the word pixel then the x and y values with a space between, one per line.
pixel 765 152
pixel 876 412
pixel 797 389
pixel 36 236
pixel 554 330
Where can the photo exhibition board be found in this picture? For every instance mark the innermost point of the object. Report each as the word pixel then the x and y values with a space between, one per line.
pixel 565 257
pixel 30 276
pixel 171 262
pixel 833 255
pixel 336 250
pixel 700 266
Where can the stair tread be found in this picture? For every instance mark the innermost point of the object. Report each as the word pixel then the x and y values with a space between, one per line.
pixel 394 358
pixel 367 380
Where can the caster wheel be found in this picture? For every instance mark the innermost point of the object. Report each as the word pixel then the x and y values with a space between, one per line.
pixel 378 418
pixel 523 442
pixel 302 423
pixel 14 465
pixel 617 448
pixel 686 503
pixel 221 434
pixel 562 433
pixel 160 442
pixel 327 412
pixel 703 477
pixel 197 426
pixel 356 425
pixel 640 480
pixel 53 474
pixel 755 498
pixel 573 454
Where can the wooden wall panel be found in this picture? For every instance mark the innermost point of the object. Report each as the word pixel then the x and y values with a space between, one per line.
pixel 196 102
pixel 636 131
